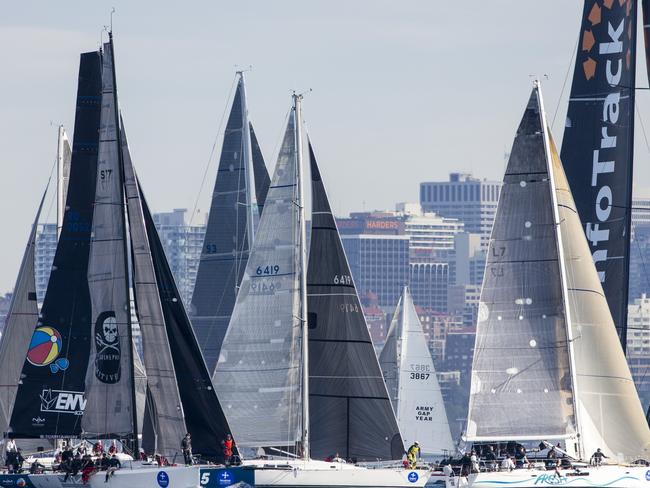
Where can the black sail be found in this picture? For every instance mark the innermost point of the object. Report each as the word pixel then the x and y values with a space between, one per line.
pixel 260 173
pixel 50 398
pixel 204 416
pixel 598 142
pixel 349 408
pixel 226 244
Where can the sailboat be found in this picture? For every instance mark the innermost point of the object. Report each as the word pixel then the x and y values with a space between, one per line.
pixel 237 202
pixel 264 373
pixel 548 365
pixel 78 375
pixel 412 383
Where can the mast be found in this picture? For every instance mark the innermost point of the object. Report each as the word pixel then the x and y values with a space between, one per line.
pixel 297 106
pixel 120 158
pixel 248 162
pixel 562 263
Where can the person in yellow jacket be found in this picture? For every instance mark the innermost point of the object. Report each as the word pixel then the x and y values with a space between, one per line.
pixel 412 454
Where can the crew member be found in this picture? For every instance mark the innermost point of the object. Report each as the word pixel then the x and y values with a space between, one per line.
pixel 412 454
pixel 186 447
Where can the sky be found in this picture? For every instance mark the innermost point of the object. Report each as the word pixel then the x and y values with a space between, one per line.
pixel 402 92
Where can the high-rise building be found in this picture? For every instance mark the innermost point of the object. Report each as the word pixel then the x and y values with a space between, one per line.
pixel 46 240
pixel 428 283
pixel 468 199
pixel 182 243
pixel 638 345
pixel 379 264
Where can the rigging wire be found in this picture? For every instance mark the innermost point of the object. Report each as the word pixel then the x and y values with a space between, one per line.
pixel 566 77
pixel 212 151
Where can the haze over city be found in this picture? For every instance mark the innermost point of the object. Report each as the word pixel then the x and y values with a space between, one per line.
pixel 403 92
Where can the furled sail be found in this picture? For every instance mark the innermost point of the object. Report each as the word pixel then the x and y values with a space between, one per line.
pixel 350 411
pixel 609 412
pixel 19 326
pixel 597 147
pixel 521 354
pixel 109 379
pixel 411 378
pixel 204 417
pixel 169 422
pixel 226 244
pixel 258 375
pixel 50 398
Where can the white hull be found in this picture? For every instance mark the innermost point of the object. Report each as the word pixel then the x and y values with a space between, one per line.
pixel 138 477
pixel 587 477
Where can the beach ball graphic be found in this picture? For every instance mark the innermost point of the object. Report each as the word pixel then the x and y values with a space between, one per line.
pixel 44 349
pixel 21 483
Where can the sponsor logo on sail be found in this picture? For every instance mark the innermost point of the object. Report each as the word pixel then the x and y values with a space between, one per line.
pixel 59 401
pixel 44 349
pixel 38 421
pixel 107 345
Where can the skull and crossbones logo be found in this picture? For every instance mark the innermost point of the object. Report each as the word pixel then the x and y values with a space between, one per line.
pixel 107 339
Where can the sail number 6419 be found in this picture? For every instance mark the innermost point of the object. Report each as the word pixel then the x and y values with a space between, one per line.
pixel 269 270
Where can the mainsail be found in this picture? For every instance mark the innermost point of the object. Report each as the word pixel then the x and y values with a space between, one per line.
pixel 19 326
pixel 521 356
pixel 227 240
pixel 169 422
pixel 546 341
pixel 110 409
pixel 412 383
pixel 258 375
pixel 597 147
pixel 63 159
pixel 350 411
pixel 50 397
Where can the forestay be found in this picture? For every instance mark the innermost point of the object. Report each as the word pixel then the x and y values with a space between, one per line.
pixel 259 370
pixel 350 411
pixel 411 377
pixel 109 379
pixel 521 380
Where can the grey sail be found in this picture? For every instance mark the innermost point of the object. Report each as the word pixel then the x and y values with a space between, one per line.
pixel 226 243
pixel 521 355
pixel 260 173
pixel 140 383
pixel 349 408
pixel 19 326
pixel 169 422
pixel 109 381
pixel 258 376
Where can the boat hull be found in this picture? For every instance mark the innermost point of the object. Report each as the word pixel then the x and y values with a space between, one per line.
pixel 140 477
pixel 588 477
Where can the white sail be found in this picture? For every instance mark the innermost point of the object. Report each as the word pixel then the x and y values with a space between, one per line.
pixel 411 377
pixel 258 374
pixel 63 160
pixel 609 412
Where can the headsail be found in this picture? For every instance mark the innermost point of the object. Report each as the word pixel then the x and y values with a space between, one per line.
pixel 411 377
pixel 109 380
pixel 521 355
pixel 226 244
pixel 204 417
pixel 168 423
pixel 50 398
pixel 19 326
pixel 260 173
pixel 63 158
pixel 609 412
pixel 350 410
pixel 258 374
pixel 597 147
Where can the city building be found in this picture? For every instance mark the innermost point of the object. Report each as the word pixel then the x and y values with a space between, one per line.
pixel 46 240
pixel 183 244
pixel 470 200
pixel 428 283
pixel 638 345
pixel 379 264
